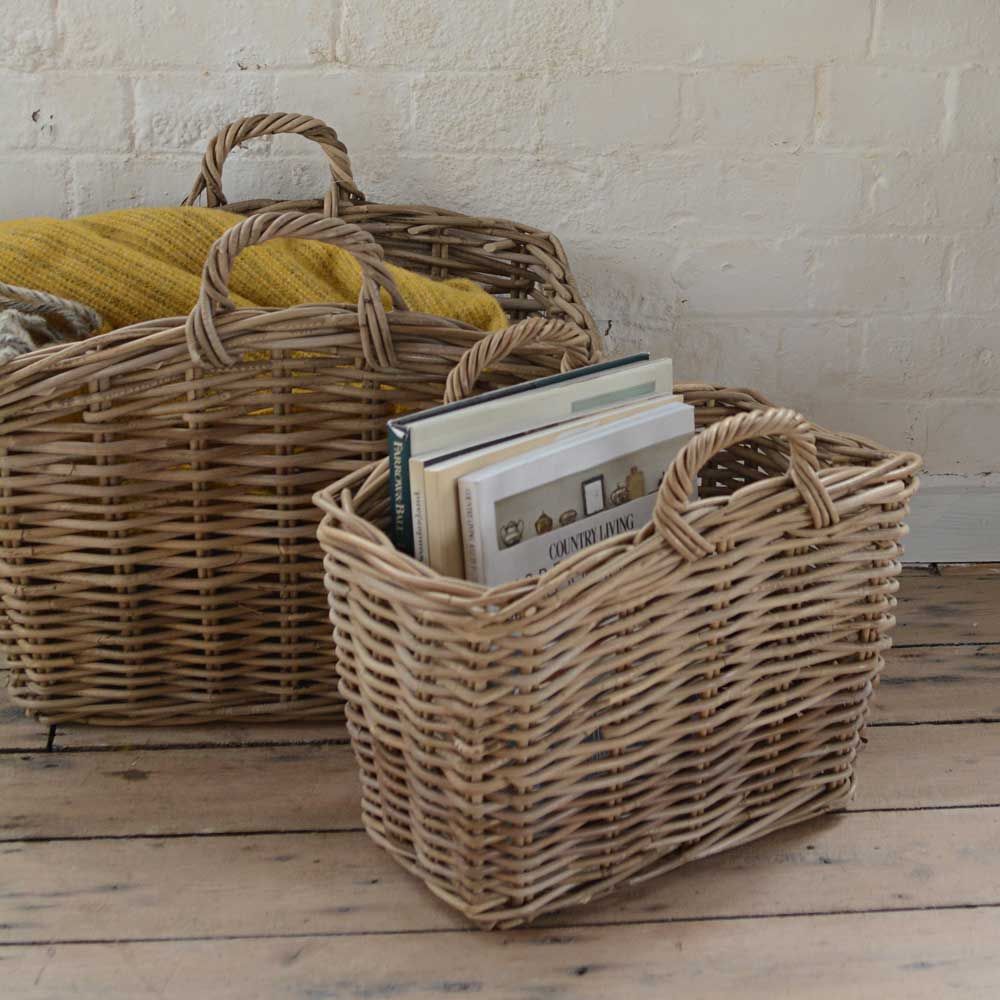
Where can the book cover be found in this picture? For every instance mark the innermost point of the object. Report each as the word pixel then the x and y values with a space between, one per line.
pixel 522 516
pixel 513 410
pixel 439 475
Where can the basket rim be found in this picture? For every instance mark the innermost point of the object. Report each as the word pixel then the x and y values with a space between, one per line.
pixel 445 217
pixel 57 361
pixel 342 528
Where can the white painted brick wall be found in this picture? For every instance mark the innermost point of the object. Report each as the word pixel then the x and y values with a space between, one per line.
pixel 743 107
pixel 976 123
pixel 624 111
pixel 880 106
pixel 799 195
pixel 751 32
pixel 938 31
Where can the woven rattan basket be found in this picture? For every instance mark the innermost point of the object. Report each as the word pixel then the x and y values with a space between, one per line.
pixel 656 698
pixel 158 556
pixel 524 267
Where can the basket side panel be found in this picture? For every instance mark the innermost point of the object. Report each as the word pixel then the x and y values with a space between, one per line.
pixel 158 557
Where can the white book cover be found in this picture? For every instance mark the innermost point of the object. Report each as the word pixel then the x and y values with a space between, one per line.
pixel 524 515
pixel 437 521
pixel 516 414
pixel 466 426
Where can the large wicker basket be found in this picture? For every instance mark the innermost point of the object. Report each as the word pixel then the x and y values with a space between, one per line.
pixel 656 698
pixel 524 267
pixel 158 557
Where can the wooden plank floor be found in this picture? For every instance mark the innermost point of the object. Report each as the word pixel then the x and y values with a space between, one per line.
pixel 230 862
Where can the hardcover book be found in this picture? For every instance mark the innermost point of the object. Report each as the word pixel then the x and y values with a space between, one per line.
pixel 522 516
pixel 438 533
pixel 511 411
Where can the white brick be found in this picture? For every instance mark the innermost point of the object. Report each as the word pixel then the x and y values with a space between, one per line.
pixel 713 31
pixel 33 185
pixel 466 112
pixel 628 282
pixel 102 183
pixel 962 435
pixel 902 356
pixel 655 193
pixel 70 111
pixel 800 190
pixel 749 106
pixel 792 361
pixel 176 113
pixel 939 30
pixel 773 194
pixel 906 190
pixel 743 276
pixel 880 106
pixel 812 356
pixel 27 35
pixel 902 273
pixel 474 34
pixel 605 112
pixel 919 357
pixel 159 34
pixel 564 37
pixel 975 283
pixel 977 116
pixel 725 351
pixel 551 195
pixel 370 111
pixel 896 423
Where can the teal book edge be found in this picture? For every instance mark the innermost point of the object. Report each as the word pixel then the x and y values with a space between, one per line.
pixel 399 440
pixel 399 489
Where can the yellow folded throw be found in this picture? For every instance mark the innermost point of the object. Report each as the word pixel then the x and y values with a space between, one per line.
pixel 145 263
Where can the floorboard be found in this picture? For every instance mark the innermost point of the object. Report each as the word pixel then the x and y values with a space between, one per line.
pixel 949 604
pixel 339 883
pixel 939 684
pixel 231 734
pixel 928 767
pixel 250 789
pixel 143 792
pixel 921 955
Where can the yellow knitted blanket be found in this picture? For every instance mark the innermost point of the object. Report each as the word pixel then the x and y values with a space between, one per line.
pixel 145 263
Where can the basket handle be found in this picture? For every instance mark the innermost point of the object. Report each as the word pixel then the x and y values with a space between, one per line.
pixel 672 498
pixel 343 189
pixel 203 339
pixel 574 342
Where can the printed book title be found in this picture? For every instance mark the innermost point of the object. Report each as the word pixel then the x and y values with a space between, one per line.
pixel 563 547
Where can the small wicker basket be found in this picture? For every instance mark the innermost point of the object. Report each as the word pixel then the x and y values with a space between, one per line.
pixel 158 555
pixel 524 267
pixel 656 698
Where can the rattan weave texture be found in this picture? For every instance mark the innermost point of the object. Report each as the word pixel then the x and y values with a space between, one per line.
pixel 158 553
pixel 656 698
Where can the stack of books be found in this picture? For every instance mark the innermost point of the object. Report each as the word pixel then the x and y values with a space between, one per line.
pixel 507 484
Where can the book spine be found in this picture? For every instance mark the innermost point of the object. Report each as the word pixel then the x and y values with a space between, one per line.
pixel 418 513
pixel 399 488
pixel 472 542
pixel 442 527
